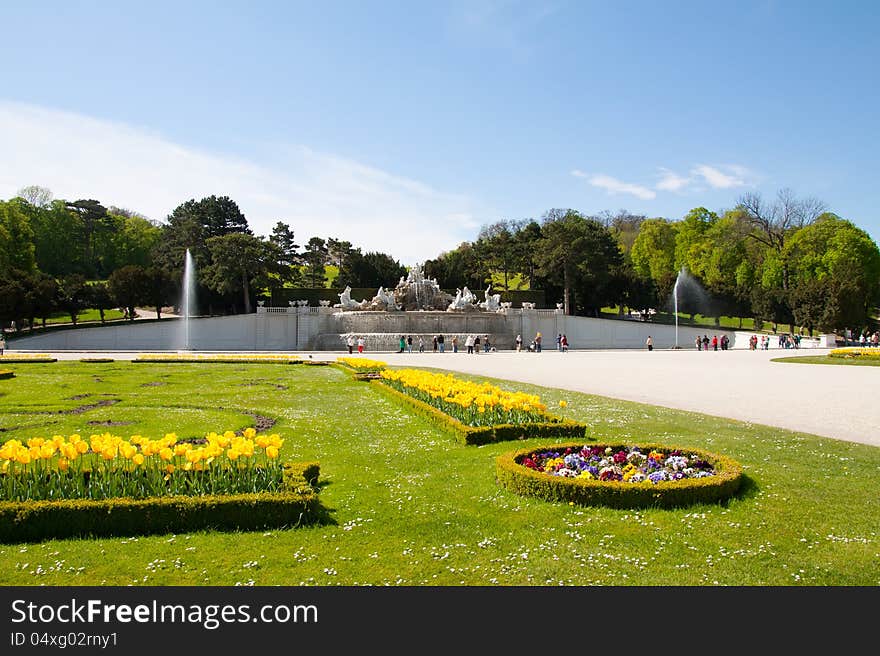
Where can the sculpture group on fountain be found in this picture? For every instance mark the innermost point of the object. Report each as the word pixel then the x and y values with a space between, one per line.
pixel 416 292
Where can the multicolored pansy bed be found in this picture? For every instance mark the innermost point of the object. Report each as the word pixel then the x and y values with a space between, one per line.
pixel 620 475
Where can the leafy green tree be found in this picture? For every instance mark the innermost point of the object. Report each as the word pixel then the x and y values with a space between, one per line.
pixel 653 254
pixel 460 267
pixel 73 295
pixel 13 298
pixel 93 219
pixel 844 258
pixel 16 238
pixel 160 288
pixel 100 298
pixel 370 270
pixel 315 259
pixel 191 224
pixel 288 258
pixel 129 287
pixel 58 238
pixel 240 261
pixel 496 243
pixel 691 237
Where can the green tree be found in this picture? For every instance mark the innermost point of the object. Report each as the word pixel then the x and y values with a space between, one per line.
pixel 288 259
pixel 315 260
pixel 653 254
pixel 842 257
pixel 73 295
pixel 129 287
pixel 16 238
pixel 100 298
pixel 58 237
pixel 240 261
pixel 160 288
pixel 93 219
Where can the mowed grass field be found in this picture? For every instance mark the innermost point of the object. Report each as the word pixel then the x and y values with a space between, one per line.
pixel 410 506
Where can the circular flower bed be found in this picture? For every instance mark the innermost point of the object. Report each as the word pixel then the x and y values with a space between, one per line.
pixel 620 475
pixel 6 373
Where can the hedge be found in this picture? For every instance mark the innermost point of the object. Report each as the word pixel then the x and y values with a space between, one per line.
pixel 34 521
pixel 488 434
pixel 519 479
pixel 6 373
pixel 24 359
pixel 96 360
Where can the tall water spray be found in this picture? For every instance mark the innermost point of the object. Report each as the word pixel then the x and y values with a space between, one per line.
pixel 675 303
pixel 189 295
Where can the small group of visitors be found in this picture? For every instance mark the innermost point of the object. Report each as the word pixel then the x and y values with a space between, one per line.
pixel 867 339
pixel 561 343
pixel 353 341
pixel 704 343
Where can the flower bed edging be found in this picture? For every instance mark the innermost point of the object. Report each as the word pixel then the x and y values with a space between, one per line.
pixel 31 521
pixel 488 434
pixel 519 479
pixel 6 373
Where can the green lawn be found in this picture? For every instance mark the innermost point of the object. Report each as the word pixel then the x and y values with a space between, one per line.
pixel 83 317
pixel 411 506
pixel 826 359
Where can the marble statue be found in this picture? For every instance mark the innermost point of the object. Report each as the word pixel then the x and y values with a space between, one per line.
pixel 463 301
pixel 492 302
pixel 346 302
pixel 384 300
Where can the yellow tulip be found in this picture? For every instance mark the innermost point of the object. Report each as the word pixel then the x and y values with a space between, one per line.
pixel 138 459
pixel 166 454
pixel 272 452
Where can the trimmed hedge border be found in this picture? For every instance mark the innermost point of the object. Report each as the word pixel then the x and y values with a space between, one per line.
pixel 34 521
pixel 6 373
pixel 488 434
pixel 519 479
pixel 96 360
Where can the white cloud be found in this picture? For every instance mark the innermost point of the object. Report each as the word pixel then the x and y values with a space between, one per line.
pixel 726 176
pixel 317 194
pixel 615 186
pixel 671 181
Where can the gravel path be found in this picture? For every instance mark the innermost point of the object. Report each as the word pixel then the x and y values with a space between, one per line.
pixel 833 401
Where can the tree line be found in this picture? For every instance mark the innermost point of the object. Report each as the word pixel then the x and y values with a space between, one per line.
pixel 785 261
pixel 65 256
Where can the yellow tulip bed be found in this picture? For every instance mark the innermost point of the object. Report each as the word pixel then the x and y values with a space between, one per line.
pixel 362 364
pixel 856 352
pixel 107 466
pixel 26 357
pixel 6 373
pixel 473 404
pixel 257 358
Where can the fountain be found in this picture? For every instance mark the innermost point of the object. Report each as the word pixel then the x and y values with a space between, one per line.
pixel 675 302
pixel 189 295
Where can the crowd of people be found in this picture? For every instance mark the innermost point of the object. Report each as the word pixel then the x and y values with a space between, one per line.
pixel 704 343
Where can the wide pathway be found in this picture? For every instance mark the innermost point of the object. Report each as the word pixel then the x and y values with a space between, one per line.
pixel 841 402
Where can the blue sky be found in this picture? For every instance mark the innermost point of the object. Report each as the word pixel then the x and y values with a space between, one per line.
pixel 405 126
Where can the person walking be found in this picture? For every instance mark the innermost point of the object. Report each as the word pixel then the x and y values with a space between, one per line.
pixel 350 343
pixel 714 342
pixel 441 343
pixel 435 345
pixel 421 345
pixel 538 343
pixel 402 344
pixel 455 343
pixel 486 345
pixel 477 343
pixel 705 342
pixel 361 343
pixel 649 343
pixel 409 343
pixel 469 343
pixel 699 343
pixel 564 344
pixel 518 343
pixel 559 342
pixel 2 343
